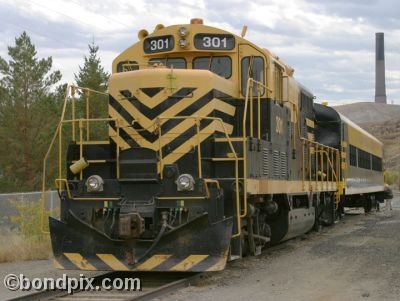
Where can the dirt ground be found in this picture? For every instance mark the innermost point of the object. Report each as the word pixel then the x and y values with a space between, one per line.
pixel 357 259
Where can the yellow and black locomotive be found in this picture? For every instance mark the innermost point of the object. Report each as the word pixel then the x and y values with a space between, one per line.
pixel 213 151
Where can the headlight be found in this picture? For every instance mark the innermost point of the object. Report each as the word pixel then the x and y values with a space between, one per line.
pixel 185 182
pixel 183 31
pixel 94 183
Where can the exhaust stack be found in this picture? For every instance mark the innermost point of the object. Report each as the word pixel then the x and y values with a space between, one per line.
pixel 380 86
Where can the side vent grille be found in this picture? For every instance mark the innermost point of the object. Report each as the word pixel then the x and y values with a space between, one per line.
pixel 265 161
pixel 283 165
pixel 275 163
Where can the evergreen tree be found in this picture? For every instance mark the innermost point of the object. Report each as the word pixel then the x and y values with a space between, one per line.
pixel 29 113
pixel 93 76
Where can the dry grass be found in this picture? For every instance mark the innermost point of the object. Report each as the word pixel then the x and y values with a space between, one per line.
pixel 15 247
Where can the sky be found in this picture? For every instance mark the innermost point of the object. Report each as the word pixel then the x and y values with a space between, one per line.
pixel 329 43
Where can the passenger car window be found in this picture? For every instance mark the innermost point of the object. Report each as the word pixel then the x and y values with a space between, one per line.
pixel 220 65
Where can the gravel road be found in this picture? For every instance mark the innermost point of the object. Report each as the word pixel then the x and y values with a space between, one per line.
pixel 357 259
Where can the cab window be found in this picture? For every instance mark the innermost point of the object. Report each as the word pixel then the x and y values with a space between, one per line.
pixel 176 63
pixel 253 67
pixel 220 65
pixel 127 66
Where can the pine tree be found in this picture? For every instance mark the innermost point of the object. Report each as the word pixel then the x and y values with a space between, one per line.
pixel 93 76
pixel 29 112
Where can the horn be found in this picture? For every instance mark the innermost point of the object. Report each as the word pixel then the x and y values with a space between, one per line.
pixel 159 27
pixel 142 34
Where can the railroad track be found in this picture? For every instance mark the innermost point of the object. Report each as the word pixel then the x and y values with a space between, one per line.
pixel 152 285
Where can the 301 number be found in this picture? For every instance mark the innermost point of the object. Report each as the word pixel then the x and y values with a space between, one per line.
pixel 159 44
pixel 214 42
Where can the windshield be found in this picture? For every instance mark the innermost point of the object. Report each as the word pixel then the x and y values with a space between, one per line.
pixel 220 65
pixel 176 63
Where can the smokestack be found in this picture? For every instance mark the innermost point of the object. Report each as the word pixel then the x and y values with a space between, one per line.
pixel 380 87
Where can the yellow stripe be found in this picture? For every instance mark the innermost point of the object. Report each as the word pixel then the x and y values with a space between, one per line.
pixel 344 143
pixel 189 262
pixel 79 261
pixel 112 262
pixel 172 111
pixel 214 104
pixel 151 102
pixel 344 155
pixel 57 265
pixel 174 132
pixel 152 262
pixel 118 140
pixel 188 145
pixel 310 123
pixel 219 266
pixel 310 136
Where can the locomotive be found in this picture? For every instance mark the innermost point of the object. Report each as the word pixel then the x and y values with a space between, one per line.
pixel 213 151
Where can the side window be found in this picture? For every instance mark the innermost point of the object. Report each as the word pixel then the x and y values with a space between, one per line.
pixel 220 65
pixel 364 159
pixel 376 163
pixel 353 156
pixel 127 66
pixel 253 67
pixel 176 63
pixel 278 83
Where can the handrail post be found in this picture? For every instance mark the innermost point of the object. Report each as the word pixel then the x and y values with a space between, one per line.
pixel 309 166
pixel 259 111
pixel 158 123
pixel 251 109
pixel 81 144
pixel 117 150
pixel 197 121
pixel 73 112
pixel 303 165
pixel 316 166
pixel 87 114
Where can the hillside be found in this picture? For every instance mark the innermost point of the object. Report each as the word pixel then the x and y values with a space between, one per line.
pixel 366 112
pixel 383 121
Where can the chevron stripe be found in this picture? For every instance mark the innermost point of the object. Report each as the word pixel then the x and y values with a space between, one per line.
pixel 175 132
pixel 152 262
pixel 118 140
pixel 157 262
pixel 154 111
pixel 188 262
pixel 147 123
pixel 80 262
pixel 151 92
pixel 223 110
pixel 192 142
pixel 112 262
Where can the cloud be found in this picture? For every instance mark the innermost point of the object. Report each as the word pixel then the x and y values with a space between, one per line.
pixel 330 44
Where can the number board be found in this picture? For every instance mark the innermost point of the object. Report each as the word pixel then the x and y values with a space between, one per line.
pixel 158 44
pixel 214 41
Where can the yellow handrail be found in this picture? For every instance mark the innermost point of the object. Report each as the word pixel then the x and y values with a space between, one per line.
pixel 249 98
pixel 69 95
pixel 323 156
